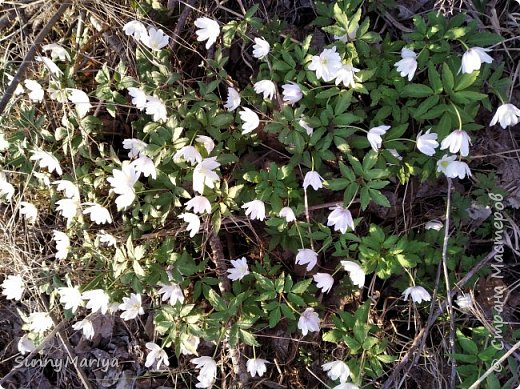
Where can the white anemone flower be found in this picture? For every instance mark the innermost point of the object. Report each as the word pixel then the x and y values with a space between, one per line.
pixel 313 178
pixel 288 214
pixel 473 58
pixel 50 65
pixel 155 39
pixel 292 93
pixel 47 160
pixel 13 287
pixel 139 97
pixel 40 322
pixel 256 366
pixel 135 147
pixel 86 327
pixel 189 154
pixel 208 371
pixel 136 29
pixel 346 75
pixel 341 219
pixel 171 292
pixel 408 64
pixel 324 281
pixel 97 213
pixel 506 115
pixel 98 300
pixel 261 48
pixel 80 100
pixel 206 141
pixel 417 293
pixel 427 142
pixel 70 297
pixel 68 208
pixel 156 354
pixel 355 272
pixel 204 175
pixel 337 370
pixel 69 189
pixel 374 136
pixel 29 211
pixel 193 222
pixel 239 269
pixel 255 209
pixel 265 87
pixel 122 183
pixel 35 90
pixel 250 119
pixel 453 168
pixel 156 108
pixel 131 306
pixel 326 65
pixel 309 321
pixel 25 345
pixel 57 51
pixel 458 140
pixel 62 244
pixel 145 166
pixel 199 204
pixel 307 257
pixel 434 225
pixel 233 100
pixel 208 30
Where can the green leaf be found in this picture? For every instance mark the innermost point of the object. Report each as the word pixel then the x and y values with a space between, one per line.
pixel 301 286
pixel 379 198
pixel 274 317
pixel 447 78
pixel 425 106
pixel 466 80
pixel 435 78
pixel 417 90
pixel 215 300
pixel 327 93
pixel 248 338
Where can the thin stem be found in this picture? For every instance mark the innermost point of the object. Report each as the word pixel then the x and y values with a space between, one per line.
pixel 458 115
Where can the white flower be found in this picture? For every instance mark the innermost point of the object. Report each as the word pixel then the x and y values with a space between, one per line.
pixel 70 189
pixel 173 292
pixel 145 166
pixel 136 29
pixel 40 322
pixel 473 58
pixel 233 100
pixel 395 154
pixel 506 115
pixel 427 143
pixel 57 52
pixel 208 30
pixel 206 141
pixel 324 281
pixel 453 168
pixel 87 327
pixel 250 119
pixel 4 144
pixel 98 300
pixel 35 90
pixel 189 154
pixel 139 97
pixel 337 370
pixel 313 179
pixel 189 344
pixel 374 136
pixel 288 214
pixel 292 93
pixel 47 160
pixel 239 270
pixel 261 48
pixel 200 204
pixel 110 240
pixel 25 345
pixel 68 208
pixel 255 209
pixel 433 225
pixel 131 307
pixel 29 211
pixel 204 175
pixel 193 222
pixel 265 87
pixel 80 100
pixel 355 272
pixel 346 75
pixel 408 64
pixel 6 189
pixel 156 108
pixel 62 244
pixel 457 141
pixel 50 65
pixel 341 219
pixel 122 182
pixel 302 122
pixel 156 39
pixel 327 64
pixel 156 354
pixel 97 213
pixel 71 297
pixel 309 321
pixel 208 371
pixel 13 287
pixel 136 147
pixel 418 294
pixel 256 366
pixel 464 301
pixel 306 257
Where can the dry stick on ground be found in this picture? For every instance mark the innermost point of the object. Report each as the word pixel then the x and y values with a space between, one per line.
pixel 182 21
pixel 426 329
pixel 30 56
pixel 237 359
